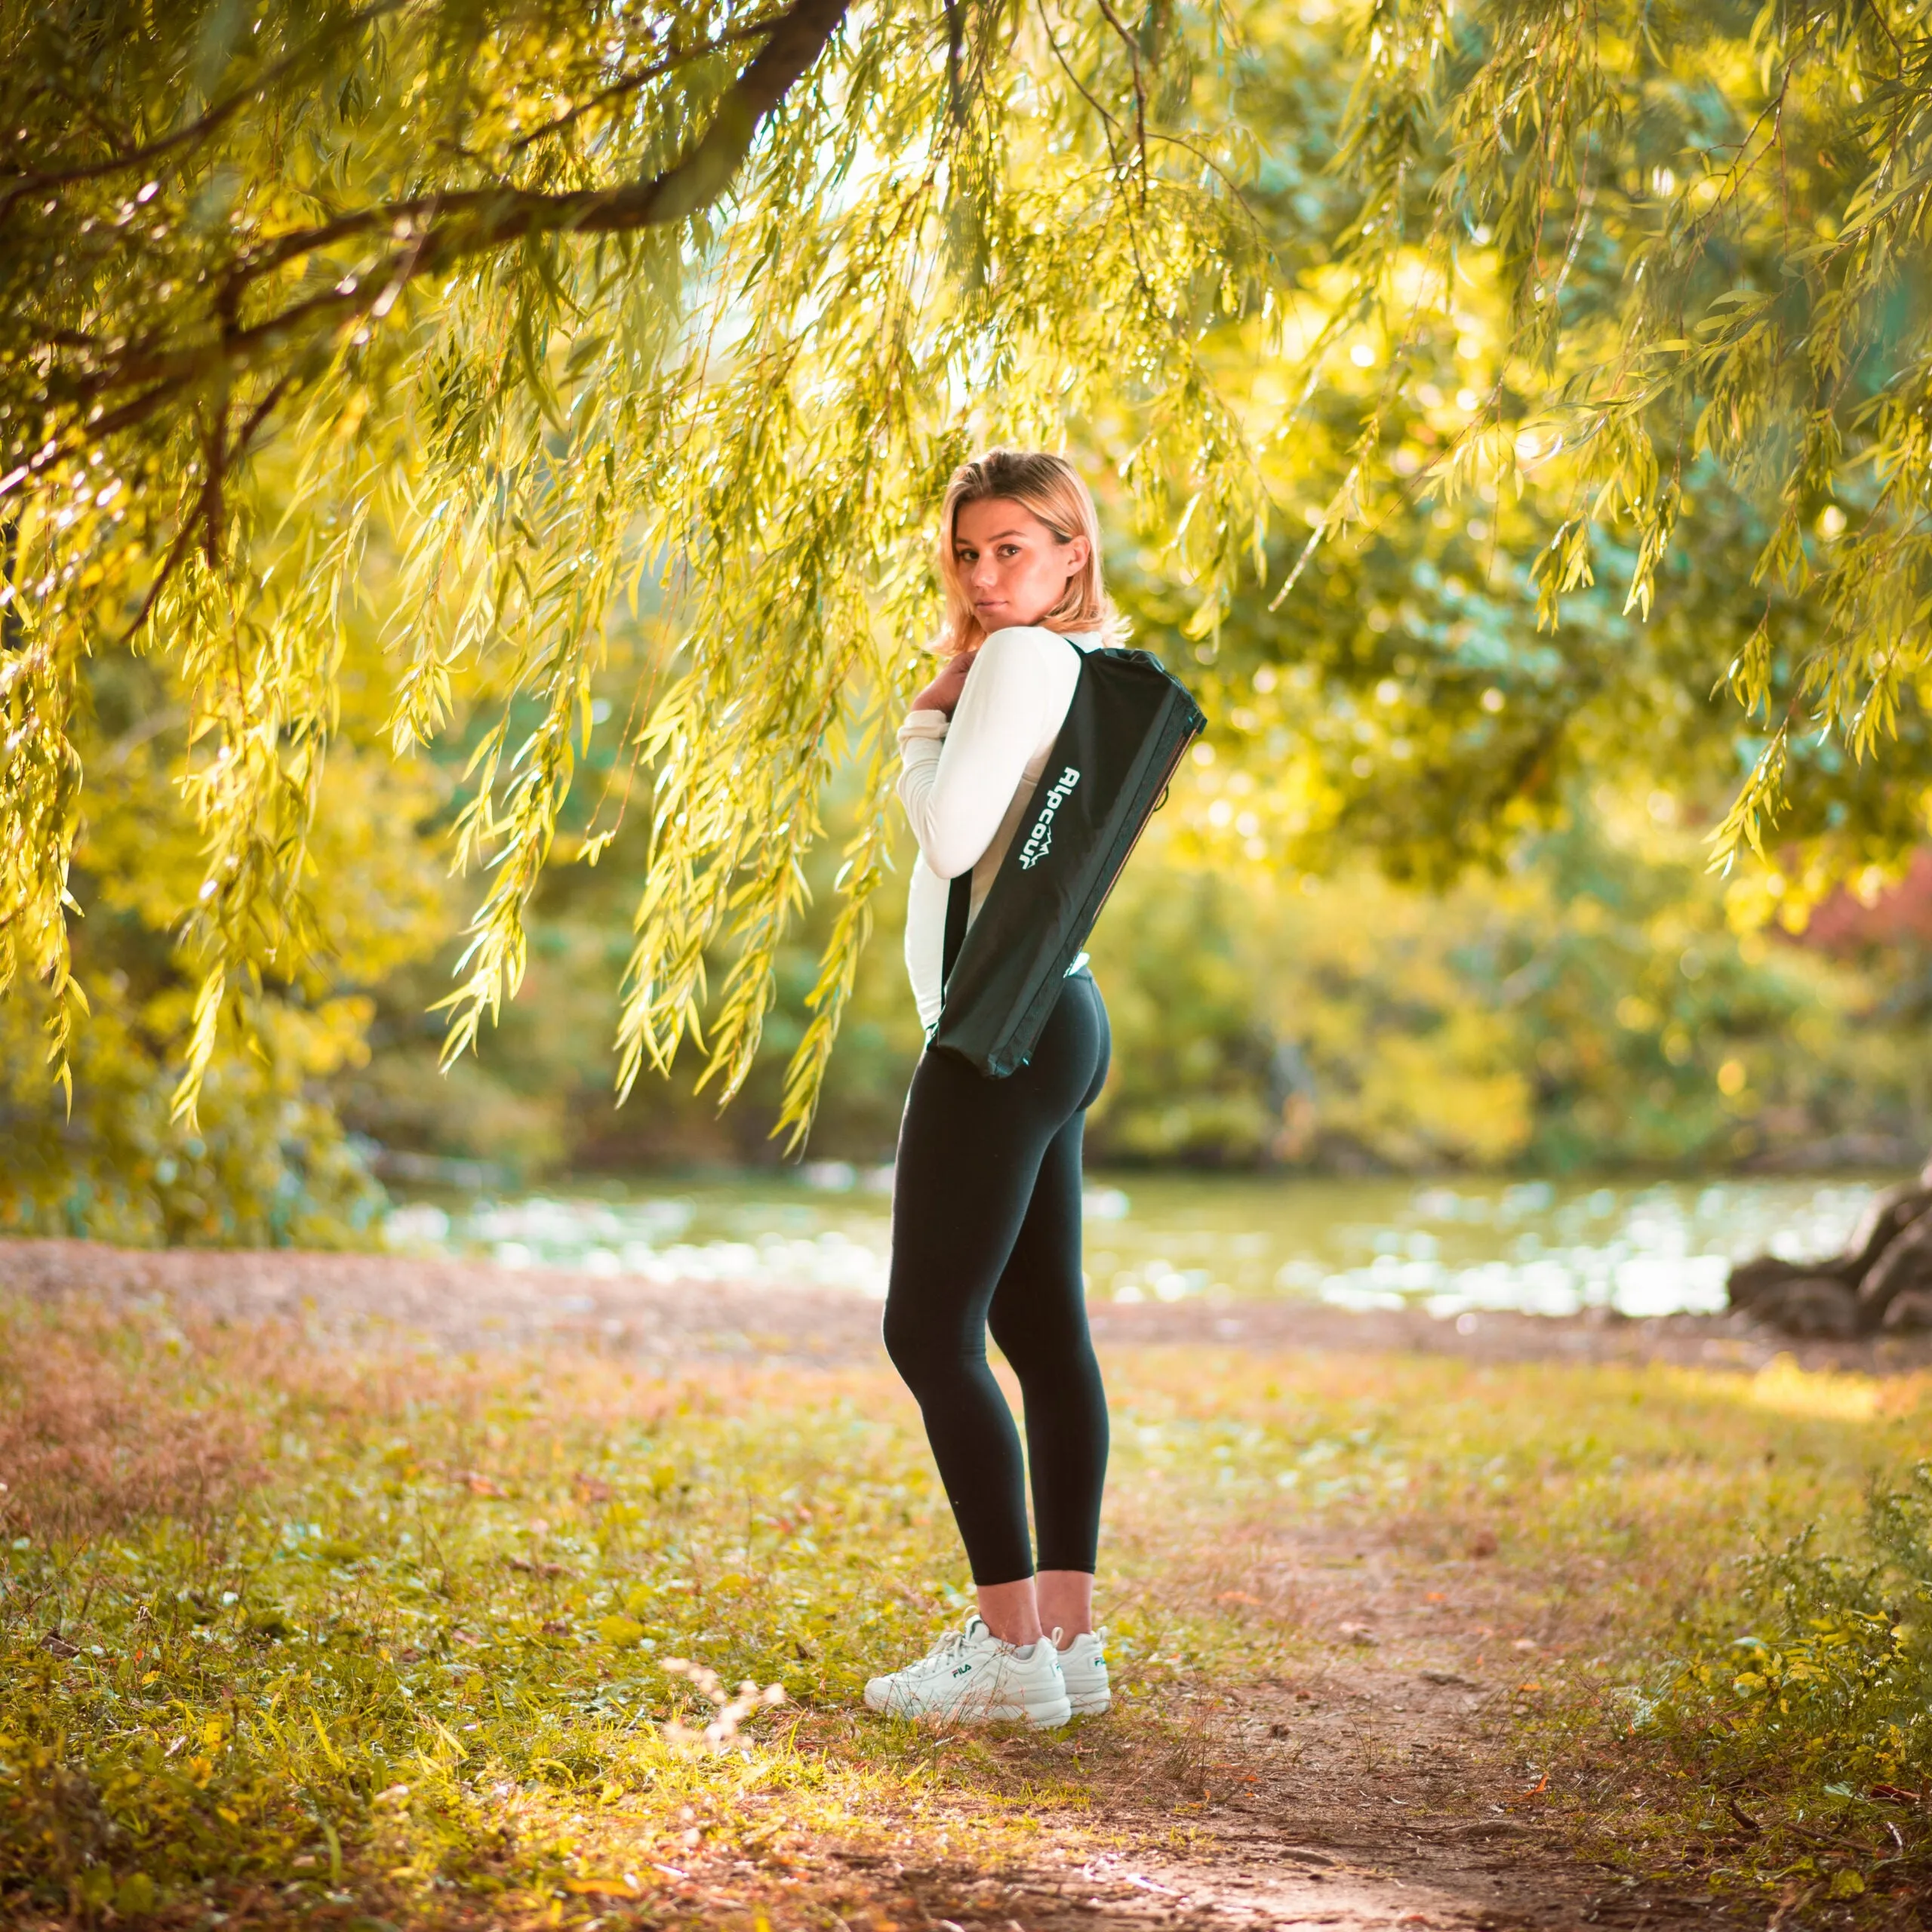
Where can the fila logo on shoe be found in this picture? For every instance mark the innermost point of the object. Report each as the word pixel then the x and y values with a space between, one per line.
pixel 1040 840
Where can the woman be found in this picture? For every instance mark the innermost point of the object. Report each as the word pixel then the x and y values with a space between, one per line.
pixel 986 1208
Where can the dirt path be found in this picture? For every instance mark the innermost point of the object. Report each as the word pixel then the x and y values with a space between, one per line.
pixel 1382 1786
pixel 1389 1788
pixel 369 1298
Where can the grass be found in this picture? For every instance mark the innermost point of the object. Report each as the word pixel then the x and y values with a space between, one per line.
pixel 359 1639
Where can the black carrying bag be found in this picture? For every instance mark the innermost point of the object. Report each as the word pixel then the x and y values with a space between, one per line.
pixel 1126 730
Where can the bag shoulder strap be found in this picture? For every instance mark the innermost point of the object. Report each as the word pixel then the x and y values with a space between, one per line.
pixel 959 910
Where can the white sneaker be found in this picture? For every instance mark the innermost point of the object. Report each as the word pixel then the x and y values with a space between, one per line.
pixel 969 1676
pixel 1083 1664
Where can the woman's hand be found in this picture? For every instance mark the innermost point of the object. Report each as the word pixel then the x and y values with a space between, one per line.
pixel 942 694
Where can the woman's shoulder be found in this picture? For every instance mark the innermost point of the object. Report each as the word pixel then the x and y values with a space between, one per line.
pixel 1021 674
pixel 1026 643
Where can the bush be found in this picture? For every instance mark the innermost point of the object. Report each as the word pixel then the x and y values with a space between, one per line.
pixel 1814 1723
pixel 1836 1685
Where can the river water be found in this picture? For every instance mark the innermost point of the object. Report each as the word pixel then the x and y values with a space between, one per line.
pixel 1656 1248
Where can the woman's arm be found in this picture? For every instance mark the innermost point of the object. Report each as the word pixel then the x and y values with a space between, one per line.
pixel 959 780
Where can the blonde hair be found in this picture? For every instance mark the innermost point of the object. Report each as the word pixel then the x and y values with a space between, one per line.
pixel 1050 486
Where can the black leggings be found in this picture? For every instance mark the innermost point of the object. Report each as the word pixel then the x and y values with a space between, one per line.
pixel 985 1232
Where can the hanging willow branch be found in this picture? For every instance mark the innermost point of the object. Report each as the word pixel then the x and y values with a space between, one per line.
pixel 473 316
pixel 540 300
pixel 1706 227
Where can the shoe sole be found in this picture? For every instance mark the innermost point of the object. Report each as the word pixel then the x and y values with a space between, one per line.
pixel 1041 1717
pixel 1091 1699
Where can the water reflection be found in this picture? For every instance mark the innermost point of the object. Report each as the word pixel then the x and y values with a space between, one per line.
pixel 1552 1249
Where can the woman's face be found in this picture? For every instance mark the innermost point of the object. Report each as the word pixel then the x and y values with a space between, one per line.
pixel 1014 569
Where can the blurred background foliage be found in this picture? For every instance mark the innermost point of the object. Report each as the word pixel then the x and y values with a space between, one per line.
pixel 1588 1002
pixel 1434 893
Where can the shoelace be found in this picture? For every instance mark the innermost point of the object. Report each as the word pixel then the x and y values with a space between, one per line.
pixel 942 1653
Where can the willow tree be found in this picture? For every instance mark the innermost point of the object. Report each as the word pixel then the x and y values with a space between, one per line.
pixel 567 297
pixel 709 299
pixel 1702 231
pixel 1530 239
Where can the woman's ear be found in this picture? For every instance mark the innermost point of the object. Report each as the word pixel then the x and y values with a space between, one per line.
pixel 1077 552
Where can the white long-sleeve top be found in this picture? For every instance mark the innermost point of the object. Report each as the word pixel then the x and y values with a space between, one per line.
pixel 966 782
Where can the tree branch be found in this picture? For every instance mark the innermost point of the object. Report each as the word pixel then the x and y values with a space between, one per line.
pixel 480 219
pixel 1127 41
pixel 206 512
pixel 630 83
pixel 11 188
pixel 446 229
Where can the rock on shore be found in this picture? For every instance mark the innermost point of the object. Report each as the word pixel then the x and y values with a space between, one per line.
pixel 1880 1285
